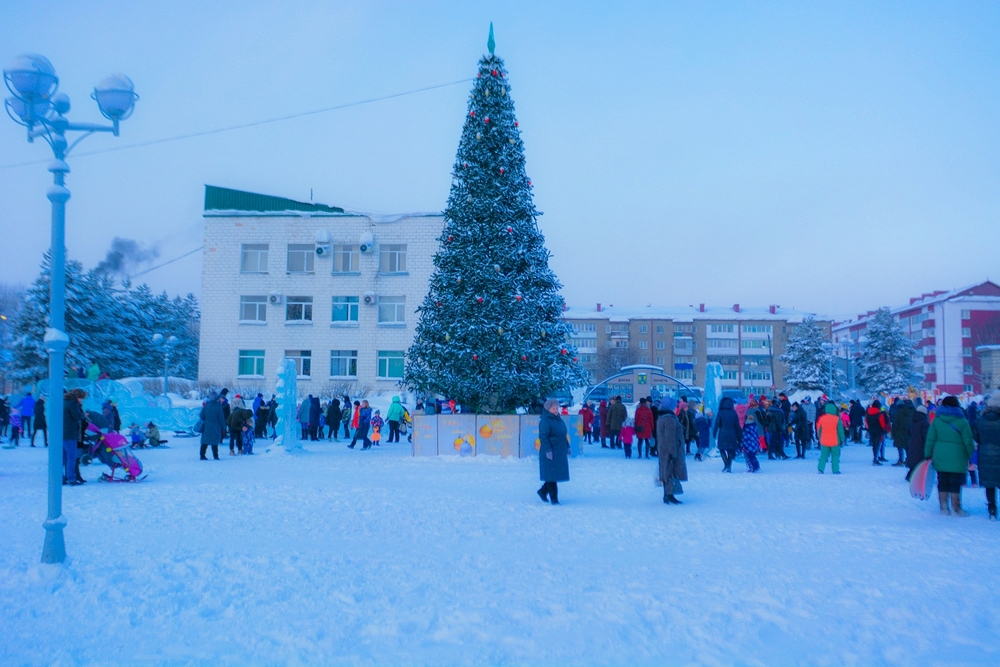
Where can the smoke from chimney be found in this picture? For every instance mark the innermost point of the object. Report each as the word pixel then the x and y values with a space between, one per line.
pixel 124 256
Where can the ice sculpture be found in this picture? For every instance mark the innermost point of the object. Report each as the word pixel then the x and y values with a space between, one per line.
pixel 134 404
pixel 288 396
pixel 713 386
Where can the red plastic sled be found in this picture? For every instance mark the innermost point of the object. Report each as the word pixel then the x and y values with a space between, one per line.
pixel 922 480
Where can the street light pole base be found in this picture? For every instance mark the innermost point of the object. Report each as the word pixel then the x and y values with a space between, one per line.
pixel 54 549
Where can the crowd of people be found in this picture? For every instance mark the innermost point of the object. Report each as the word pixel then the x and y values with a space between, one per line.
pixel 962 444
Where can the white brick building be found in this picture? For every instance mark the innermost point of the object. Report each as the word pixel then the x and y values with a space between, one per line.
pixel 335 291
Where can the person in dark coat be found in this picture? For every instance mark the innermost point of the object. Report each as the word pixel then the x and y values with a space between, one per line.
pixel 901 430
pixel 643 426
pixel 40 423
pixel 856 417
pixel 553 452
pixel 727 433
pixel 673 464
pixel 73 420
pixel 655 409
pixel 214 421
pixel 333 420
pixel 877 424
pixel 617 414
pixel 800 429
pixel 272 415
pixel 987 432
pixel 602 418
pixel 776 432
pixel 917 439
pixel 315 410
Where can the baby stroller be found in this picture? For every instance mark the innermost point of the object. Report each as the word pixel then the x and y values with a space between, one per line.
pixel 113 450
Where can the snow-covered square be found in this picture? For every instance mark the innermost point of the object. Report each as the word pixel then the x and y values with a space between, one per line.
pixel 343 557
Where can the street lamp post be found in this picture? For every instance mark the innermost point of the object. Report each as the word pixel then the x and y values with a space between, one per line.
pixel 167 342
pixel 37 106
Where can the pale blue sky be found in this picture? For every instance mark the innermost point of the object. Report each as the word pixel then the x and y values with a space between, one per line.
pixel 828 156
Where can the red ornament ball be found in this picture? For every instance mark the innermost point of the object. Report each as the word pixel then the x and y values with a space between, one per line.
pixel 510 230
pixel 479 299
pixel 475 357
pixel 486 119
pixel 517 298
pixel 472 113
pixel 524 358
pixel 465 165
pixel 563 350
pixel 438 304
pixel 493 72
pixel 529 184
pixel 501 170
pixel 575 359
pixel 516 124
pixel 451 238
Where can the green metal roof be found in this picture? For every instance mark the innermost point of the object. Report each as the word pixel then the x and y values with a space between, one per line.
pixel 225 199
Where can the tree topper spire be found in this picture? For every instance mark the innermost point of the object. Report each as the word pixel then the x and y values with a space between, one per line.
pixel 491 43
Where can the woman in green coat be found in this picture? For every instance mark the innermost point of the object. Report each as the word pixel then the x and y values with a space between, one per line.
pixel 949 445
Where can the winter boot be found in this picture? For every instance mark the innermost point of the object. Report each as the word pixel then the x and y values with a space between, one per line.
pixel 956 505
pixel 992 509
pixel 554 494
pixel 542 493
pixel 943 500
pixel 673 500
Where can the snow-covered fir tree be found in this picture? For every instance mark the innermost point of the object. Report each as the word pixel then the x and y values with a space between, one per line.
pixel 107 323
pixel 809 364
pixel 490 333
pixel 885 364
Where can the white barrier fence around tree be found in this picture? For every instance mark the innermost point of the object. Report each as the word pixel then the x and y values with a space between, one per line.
pixel 486 435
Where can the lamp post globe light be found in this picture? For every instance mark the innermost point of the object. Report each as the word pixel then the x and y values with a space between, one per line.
pixel 167 342
pixel 37 106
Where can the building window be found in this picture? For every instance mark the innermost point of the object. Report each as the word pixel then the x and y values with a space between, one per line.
pixel 659 328
pixel 299 309
pixel 966 332
pixel 392 258
pixel 756 328
pixel 968 387
pixel 642 345
pixel 622 343
pixel 966 351
pixel 721 343
pixel 756 375
pixel 683 329
pixel 661 345
pixel 586 327
pixel 687 374
pixel 253 309
pixel 300 257
pixel 659 361
pixel 345 309
pixel 251 363
pixel 643 328
pixel 346 259
pixel 253 258
pixel 754 344
pixel 643 360
pixel 730 375
pixel 967 369
pixel 343 363
pixel 392 310
pixel 303 361
pixel 390 364
pixel 722 328
pixel 966 314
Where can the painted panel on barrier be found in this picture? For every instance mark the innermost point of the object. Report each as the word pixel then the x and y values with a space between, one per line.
pixel 574 427
pixel 529 436
pixel 497 435
pixel 425 435
pixel 457 435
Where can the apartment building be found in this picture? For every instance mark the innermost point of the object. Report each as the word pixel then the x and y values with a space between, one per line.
pixel 332 290
pixel 746 341
pixel 950 330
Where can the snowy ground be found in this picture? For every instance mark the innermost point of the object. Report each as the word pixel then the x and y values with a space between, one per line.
pixel 342 557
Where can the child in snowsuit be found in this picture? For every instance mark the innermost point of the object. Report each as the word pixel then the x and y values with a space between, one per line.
pixel 750 443
pixel 15 426
pixel 376 425
pixel 703 424
pixel 627 435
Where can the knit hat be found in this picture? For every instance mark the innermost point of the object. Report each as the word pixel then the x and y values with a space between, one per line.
pixel 668 404
pixel 922 409
pixel 551 403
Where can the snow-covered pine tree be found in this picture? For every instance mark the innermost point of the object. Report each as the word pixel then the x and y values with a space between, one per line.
pixel 490 334
pixel 885 364
pixel 808 363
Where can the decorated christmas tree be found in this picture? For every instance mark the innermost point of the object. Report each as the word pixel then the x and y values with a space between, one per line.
pixel 808 361
pixel 490 334
pixel 885 365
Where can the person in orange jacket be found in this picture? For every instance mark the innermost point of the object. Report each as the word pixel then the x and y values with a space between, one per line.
pixel 831 438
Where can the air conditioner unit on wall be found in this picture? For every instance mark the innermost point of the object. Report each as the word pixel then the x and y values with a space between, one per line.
pixel 323 243
pixel 367 242
pixel 370 299
pixel 274 299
